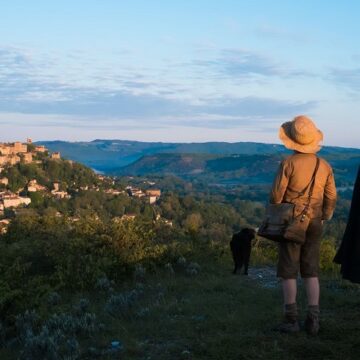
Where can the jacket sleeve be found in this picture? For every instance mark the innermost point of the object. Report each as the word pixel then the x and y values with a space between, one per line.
pixel 329 197
pixel 280 183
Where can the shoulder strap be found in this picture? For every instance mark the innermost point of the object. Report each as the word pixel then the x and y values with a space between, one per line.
pixel 311 184
pixel 312 180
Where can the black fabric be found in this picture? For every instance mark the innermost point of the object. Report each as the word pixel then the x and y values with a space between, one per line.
pixel 348 254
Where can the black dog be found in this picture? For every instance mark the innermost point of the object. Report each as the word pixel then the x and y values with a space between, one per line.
pixel 240 246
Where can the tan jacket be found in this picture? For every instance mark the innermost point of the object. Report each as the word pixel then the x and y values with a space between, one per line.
pixel 295 174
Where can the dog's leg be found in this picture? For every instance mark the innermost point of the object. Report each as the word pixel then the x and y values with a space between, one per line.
pixel 235 269
pixel 246 268
pixel 247 260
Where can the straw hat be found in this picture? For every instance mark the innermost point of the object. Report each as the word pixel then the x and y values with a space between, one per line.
pixel 301 135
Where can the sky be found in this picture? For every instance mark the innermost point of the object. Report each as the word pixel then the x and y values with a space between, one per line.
pixel 179 70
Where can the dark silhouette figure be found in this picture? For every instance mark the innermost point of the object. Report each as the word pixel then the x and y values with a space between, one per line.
pixel 240 246
pixel 348 254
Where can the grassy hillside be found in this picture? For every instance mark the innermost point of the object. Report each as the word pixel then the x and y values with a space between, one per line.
pixel 76 275
pixel 206 314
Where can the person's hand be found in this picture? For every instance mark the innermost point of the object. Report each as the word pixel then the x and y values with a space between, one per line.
pixel 322 222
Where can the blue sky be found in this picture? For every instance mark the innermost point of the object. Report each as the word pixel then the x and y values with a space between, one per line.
pixel 189 70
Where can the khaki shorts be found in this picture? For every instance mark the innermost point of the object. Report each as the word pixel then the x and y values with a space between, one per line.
pixel 294 257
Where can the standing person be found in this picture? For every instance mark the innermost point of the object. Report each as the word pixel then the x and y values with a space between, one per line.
pixel 294 175
pixel 348 254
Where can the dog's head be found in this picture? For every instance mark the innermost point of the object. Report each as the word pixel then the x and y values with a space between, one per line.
pixel 249 233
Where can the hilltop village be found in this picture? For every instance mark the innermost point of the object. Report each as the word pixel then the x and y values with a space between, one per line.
pixel 13 200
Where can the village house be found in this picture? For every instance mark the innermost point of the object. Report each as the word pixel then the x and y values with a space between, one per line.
pixel 151 183
pixel 60 194
pixel 152 199
pixel 9 153
pixel 19 148
pixel 5 149
pixel 40 148
pixel 33 186
pixel 12 200
pixel 135 192
pixel 4 224
pixel 114 191
pixel 28 158
pixel 153 192
pixel 163 220
pixel 4 181
pixel 56 186
pixel 9 159
pixel 168 222
pixel 13 160
pixel 55 155
pixel 153 195
pixel 3 160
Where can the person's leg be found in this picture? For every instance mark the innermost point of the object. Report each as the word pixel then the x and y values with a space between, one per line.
pixel 312 288
pixel 309 268
pixel 288 265
pixel 289 287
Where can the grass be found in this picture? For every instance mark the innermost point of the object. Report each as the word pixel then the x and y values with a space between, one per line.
pixel 216 315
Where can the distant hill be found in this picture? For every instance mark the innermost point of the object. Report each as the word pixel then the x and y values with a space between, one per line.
pixel 110 155
pixel 256 169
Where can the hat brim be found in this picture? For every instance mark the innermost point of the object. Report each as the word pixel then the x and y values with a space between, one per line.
pixel 290 143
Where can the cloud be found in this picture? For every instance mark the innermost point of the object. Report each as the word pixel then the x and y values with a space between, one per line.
pixel 25 89
pixel 258 107
pixel 349 78
pixel 241 63
pixel 14 57
pixel 248 65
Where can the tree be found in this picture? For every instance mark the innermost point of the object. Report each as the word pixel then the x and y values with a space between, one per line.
pixel 193 223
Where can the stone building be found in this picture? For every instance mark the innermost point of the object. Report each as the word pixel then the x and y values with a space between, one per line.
pixel 136 192
pixel 19 148
pixel 3 160
pixel 33 186
pixel 61 194
pixel 4 181
pixel 153 192
pixel 5 149
pixel 13 160
pixel 153 195
pixel 55 155
pixel 4 224
pixel 15 201
pixel 28 158
pixel 56 186
pixel 40 148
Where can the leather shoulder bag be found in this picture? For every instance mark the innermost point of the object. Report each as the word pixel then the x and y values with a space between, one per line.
pixel 281 224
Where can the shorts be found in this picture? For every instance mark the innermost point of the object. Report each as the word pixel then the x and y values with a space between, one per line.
pixel 306 257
